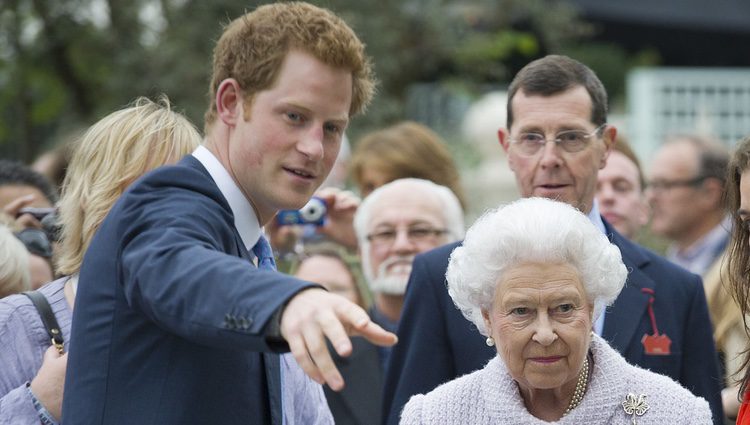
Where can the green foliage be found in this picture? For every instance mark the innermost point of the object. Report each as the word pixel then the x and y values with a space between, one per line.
pixel 65 64
pixel 610 62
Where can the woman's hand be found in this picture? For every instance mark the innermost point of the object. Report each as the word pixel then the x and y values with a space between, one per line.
pixel 49 382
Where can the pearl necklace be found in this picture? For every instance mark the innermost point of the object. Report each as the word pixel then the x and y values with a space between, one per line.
pixel 583 379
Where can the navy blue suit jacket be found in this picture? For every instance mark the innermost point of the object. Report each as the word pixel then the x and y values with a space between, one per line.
pixel 171 322
pixel 437 344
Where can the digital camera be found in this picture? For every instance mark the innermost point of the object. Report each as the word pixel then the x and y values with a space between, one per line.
pixel 314 212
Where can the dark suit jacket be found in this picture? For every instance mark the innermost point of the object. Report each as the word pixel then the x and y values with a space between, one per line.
pixel 437 344
pixel 360 402
pixel 171 321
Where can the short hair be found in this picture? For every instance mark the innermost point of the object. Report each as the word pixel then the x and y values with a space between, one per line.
pixel 407 149
pixel 621 145
pixel 15 276
pixel 14 173
pixel 111 155
pixel 713 157
pixel 532 230
pixel 738 257
pixel 253 47
pixel 452 212
pixel 554 74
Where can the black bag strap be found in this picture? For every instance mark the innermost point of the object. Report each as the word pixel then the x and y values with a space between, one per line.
pixel 48 318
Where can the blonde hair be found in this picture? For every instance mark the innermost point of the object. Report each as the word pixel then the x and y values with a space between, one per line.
pixel 14 264
pixel 112 154
pixel 253 47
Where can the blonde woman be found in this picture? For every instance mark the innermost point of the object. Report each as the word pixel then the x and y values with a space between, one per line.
pixel 14 263
pixel 112 154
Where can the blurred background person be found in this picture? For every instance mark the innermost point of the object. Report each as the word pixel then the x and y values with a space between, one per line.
pixel 533 276
pixel 395 222
pixel 686 183
pixel 14 263
pixel 325 263
pixel 359 402
pixel 22 187
pixel 738 258
pixel 406 149
pixel 686 190
pixel 112 154
pixel 619 190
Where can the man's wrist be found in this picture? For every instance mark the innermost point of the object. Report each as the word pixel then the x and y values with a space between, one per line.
pixel 274 339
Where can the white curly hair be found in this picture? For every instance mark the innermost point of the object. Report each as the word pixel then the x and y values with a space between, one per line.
pixel 532 230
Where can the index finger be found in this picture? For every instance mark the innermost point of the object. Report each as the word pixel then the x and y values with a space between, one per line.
pixel 13 207
pixel 359 323
pixel 377 335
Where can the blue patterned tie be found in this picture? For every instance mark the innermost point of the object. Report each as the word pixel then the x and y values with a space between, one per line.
pixel 274 372
pixel 264 253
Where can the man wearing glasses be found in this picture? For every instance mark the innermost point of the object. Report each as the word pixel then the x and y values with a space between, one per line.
pixel 557 139
pixel 393 224
pixel 687 182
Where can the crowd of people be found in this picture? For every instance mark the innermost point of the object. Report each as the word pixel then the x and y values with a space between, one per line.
pixel 144 288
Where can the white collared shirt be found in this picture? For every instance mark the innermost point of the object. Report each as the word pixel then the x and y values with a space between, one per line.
pixel 245 220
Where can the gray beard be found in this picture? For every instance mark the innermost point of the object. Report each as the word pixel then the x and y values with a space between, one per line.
pixel 391 285
pixel 388 284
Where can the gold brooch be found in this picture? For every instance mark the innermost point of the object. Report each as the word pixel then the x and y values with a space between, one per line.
pixel 635 405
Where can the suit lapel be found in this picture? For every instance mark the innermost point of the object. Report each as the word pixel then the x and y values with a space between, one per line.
pixel 624 316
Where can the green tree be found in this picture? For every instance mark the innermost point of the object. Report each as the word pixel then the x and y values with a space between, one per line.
pixel 66 63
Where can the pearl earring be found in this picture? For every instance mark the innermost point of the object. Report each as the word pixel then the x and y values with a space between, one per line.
pixel 489 341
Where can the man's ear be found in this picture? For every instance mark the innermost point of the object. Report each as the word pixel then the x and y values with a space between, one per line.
pixel 609 135
pixel 503 135
pixel 229 102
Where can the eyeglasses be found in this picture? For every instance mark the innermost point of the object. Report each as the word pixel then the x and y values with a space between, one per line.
pixel 414 234
pixel 570 141
pixel 662 185
pixel 36 242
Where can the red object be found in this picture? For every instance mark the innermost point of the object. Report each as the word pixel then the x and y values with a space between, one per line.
pixel 743 417
pixel 655 345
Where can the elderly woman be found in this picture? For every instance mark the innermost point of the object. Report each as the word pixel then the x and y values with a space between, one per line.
pixel 533 276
